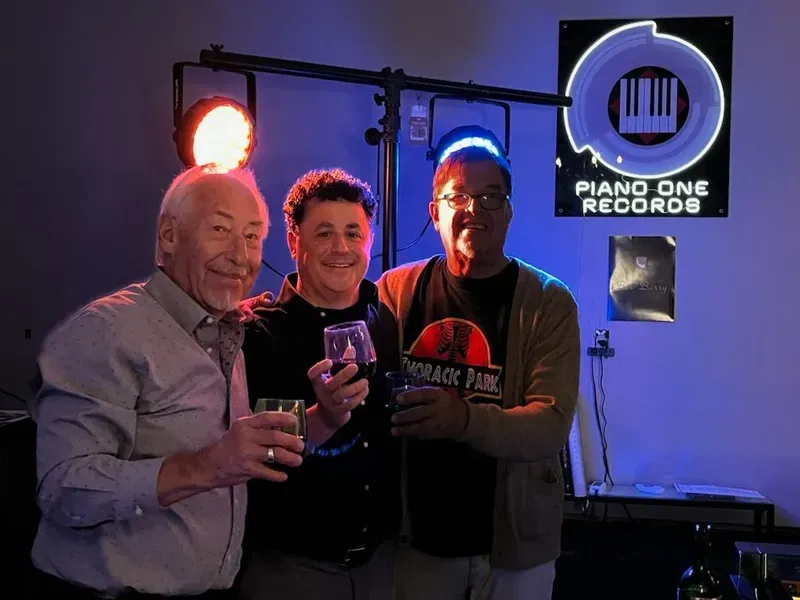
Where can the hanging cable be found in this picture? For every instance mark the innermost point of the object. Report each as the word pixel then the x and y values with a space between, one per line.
pixel 600 415
pixel 407 246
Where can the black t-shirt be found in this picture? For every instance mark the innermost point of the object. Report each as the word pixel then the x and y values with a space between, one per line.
pixel 348 492
pixel 455 334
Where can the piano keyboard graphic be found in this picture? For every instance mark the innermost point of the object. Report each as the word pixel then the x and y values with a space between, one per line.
pixel 640 110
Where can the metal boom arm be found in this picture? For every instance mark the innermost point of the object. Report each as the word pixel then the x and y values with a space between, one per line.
pixel 393 82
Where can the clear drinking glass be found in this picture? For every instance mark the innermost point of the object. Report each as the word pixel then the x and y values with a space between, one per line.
pixel 350 343
pixel 399 382
pixel 295 407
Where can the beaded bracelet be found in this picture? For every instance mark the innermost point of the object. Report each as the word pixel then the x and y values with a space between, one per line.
pixel 325 452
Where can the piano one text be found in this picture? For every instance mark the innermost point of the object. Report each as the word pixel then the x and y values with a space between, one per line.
pixel 642 197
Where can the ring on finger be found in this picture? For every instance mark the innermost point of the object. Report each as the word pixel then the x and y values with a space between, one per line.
pixel 270 455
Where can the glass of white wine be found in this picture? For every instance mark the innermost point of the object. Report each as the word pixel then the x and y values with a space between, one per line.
pixel 295 407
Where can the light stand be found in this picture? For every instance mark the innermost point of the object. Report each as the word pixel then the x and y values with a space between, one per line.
pixel 393 82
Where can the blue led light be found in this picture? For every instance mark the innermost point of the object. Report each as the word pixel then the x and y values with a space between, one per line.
pixel 467 136
pixel 470 142
pixel 328 452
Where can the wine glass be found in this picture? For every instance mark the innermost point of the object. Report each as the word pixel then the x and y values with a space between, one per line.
pixel 399 382
pixel 350 343
pixel 295 407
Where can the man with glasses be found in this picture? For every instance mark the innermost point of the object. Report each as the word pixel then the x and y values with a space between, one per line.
pixel 497 341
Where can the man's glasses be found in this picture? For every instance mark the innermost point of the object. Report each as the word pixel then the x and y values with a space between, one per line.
pixel 490 201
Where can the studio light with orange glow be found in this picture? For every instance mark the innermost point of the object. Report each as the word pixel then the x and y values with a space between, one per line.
pixel 217 131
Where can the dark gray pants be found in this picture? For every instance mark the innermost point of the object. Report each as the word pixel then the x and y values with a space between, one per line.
pixel 273 576
pixel 424 577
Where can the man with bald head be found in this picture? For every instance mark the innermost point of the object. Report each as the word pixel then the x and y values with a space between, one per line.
pixel 145 438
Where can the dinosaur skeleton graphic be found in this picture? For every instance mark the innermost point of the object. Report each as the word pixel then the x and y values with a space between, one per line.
pixel 455 354
pixel 454 342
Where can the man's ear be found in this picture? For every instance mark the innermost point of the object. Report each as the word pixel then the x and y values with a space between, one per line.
pixel 433 211
pixel 291 241
pixel 167 234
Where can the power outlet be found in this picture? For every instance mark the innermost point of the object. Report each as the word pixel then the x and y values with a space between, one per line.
pixel 602 347
pixel 602 337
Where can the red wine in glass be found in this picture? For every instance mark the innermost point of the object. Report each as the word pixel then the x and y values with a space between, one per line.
pixel 365 369
pixel 350 343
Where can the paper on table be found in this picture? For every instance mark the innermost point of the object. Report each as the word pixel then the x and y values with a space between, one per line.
pixel 713 490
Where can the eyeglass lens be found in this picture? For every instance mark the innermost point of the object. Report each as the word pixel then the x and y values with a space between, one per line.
pixel 490 201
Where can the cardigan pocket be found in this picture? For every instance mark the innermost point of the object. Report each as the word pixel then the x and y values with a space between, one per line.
pixel 541 499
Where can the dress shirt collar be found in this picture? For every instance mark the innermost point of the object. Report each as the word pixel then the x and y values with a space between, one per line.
pixel 290 299
pixel 179 305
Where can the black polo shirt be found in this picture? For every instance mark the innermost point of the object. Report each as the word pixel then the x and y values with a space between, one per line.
pixel 347 493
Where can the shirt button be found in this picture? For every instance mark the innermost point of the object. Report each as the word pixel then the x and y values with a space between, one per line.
pixel 366 444
pixel 366 488
pixel 209 350
pixel 322 313
pixel 138 510
pixel 364 530
pixel 210 320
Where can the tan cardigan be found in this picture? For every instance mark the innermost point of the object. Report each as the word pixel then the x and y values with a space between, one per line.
pixel 539 399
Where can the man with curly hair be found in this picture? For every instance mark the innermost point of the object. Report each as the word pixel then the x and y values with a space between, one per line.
pixel 327 532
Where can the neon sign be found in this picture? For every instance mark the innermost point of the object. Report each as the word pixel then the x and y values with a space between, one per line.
pixel 669 198
pixel 648 110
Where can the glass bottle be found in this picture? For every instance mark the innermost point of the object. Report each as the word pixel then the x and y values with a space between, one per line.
pixel 698 582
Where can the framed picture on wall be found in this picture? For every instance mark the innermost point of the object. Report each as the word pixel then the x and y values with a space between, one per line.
pixel 648 134
pixel 641 278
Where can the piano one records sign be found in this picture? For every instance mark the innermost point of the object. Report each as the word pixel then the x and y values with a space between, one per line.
pixel 648 134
